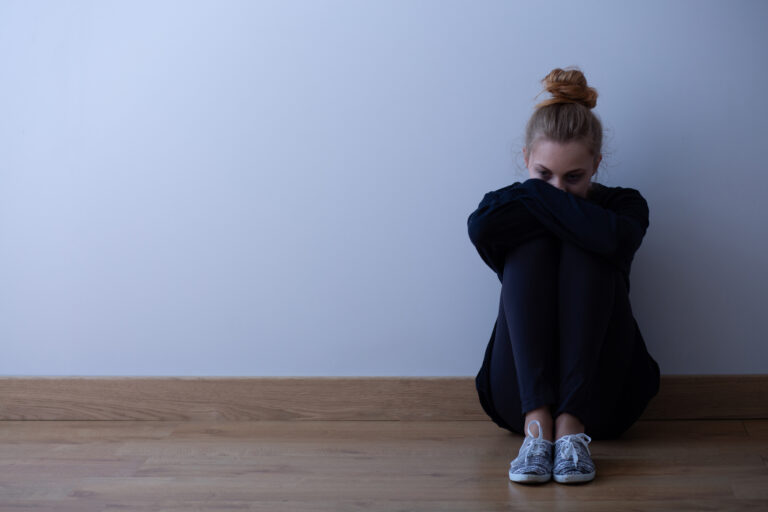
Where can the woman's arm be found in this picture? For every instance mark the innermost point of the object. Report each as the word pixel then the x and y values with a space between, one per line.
pixel 614 231
pixel 500 222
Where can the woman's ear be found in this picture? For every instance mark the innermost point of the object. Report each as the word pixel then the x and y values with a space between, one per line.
pixel 525 157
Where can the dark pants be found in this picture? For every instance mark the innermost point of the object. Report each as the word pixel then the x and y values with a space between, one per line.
pixel 569 342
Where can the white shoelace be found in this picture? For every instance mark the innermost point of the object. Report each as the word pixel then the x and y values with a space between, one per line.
pixel 568 448
pixel 534 445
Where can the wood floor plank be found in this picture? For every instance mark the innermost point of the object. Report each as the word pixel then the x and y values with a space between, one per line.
pixel 366 465
pixel 223 505
pixel 758 431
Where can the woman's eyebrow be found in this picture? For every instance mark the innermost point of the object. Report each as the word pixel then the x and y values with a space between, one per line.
pixel 567 172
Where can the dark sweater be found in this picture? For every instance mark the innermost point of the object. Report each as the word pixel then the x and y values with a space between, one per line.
pixel 611 222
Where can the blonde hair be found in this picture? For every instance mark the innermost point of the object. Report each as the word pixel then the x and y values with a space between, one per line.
pixel 567 116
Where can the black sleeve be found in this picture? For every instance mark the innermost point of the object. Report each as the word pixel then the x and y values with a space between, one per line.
pixel 500 222
pixel 614 231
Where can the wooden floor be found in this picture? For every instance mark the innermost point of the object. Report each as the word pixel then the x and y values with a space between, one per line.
pixel 367 465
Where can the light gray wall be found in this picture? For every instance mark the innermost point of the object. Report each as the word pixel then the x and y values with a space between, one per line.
pixel 281 188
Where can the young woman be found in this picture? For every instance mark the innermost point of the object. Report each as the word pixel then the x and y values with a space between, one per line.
pixel 566 355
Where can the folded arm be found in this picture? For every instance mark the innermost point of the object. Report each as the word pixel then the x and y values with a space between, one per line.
pixel 614 231
pixel 501 222
pixel 520 212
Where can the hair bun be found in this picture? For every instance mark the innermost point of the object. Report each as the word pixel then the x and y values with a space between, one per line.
pixel 568 86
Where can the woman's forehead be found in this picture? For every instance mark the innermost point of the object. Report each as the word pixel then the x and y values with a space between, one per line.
pixel 558 154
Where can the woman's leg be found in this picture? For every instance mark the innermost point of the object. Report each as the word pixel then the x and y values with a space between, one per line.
pixel 524 371
pixel 626 375
pixel 595 341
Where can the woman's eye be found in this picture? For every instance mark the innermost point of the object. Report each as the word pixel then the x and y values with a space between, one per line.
pixel 573 178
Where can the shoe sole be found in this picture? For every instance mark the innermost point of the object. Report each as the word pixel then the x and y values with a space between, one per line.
pixel 574 479
pixel 529 479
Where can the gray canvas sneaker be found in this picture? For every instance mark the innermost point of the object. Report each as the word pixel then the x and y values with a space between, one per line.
pixel 534 460
pixel 573 461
